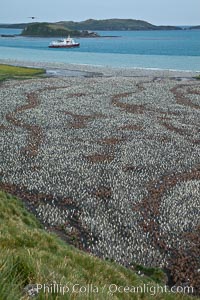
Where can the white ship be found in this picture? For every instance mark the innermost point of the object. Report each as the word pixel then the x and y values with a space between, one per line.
pixel 64 43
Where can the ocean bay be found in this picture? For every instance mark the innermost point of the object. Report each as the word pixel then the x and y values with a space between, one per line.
pixel 175 50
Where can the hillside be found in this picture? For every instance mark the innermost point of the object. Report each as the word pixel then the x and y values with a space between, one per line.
pixel 81 29
pixel 110 24
pixel 115 24
pixel 195 27
pixel 91 24
pixel 30 255
pixel 15 25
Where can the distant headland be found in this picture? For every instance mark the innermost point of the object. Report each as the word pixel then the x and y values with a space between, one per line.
pixel 86 28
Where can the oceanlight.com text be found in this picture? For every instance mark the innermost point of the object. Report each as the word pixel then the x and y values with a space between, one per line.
pixel 110 289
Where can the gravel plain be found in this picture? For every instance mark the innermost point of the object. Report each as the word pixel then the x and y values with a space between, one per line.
pixel 110 160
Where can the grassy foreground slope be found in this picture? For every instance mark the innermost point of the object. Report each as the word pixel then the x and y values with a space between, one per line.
pixel 30 255
pixel 12 72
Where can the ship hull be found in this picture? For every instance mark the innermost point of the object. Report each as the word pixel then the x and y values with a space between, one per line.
pixel 64 46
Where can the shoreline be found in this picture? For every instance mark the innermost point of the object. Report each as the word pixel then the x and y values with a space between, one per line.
pixel 57 69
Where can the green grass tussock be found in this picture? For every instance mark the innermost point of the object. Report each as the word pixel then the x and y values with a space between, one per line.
pixel 30 255
pixel 13 72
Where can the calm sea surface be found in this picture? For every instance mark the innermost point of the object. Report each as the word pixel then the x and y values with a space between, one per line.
pixel 177 50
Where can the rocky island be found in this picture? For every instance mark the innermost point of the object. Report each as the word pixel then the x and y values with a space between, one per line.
pixel 84 28
pixel 54 30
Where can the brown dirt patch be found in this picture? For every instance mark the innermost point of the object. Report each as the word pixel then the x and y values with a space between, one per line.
pixel 181 92
pixel 131 127
pixel 97 158
pixel 149 209
pixel 112 141
pixel 103 192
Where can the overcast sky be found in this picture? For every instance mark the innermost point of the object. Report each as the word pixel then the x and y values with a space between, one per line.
pixel 158 12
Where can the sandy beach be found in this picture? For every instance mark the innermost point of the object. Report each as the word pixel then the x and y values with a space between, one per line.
pixel 109 160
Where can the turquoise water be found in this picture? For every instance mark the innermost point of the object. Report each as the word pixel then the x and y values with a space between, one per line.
pixel 178 50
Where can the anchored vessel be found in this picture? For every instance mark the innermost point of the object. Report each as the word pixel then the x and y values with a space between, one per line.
pixel 64 43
